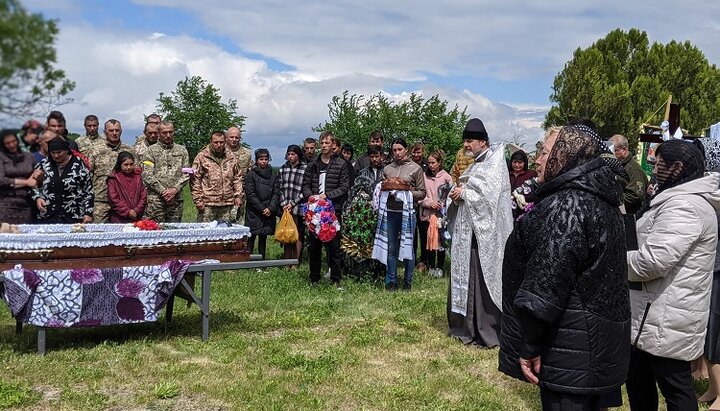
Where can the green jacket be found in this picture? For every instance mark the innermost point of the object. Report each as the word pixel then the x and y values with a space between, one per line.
pixel 634 189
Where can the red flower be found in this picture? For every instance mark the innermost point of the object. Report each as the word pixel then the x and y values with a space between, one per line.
pixel 326 230
pixel 147 225
pixel 327 233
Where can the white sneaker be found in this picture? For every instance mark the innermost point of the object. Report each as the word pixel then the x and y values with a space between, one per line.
pixel 327 274
pixel 437 273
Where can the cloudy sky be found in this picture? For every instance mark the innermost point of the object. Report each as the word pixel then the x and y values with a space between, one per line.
pixel 283 60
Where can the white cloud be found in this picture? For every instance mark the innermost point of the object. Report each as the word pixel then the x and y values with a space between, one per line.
pixel 404 39
pixel 120 75
pixel 364 47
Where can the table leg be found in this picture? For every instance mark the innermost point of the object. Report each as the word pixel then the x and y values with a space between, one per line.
pixel 18 327
pixel 41 340
pixel 169 308
pixel 206 304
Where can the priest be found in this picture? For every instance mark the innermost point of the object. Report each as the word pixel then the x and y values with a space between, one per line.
pixel 481 223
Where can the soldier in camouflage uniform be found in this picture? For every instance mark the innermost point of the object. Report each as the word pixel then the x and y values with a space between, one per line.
pixel 150 137
pixel 91 137
pixel 217 182
pixel 244 159
pixel 102 157
pixel 151 119
pixel 164 178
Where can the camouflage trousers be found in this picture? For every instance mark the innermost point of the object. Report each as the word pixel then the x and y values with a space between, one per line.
pixel 237 214
pixel 161 212
pixel 101 212
pixel 214 213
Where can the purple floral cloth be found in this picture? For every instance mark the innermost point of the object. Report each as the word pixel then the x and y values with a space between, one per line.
pixel 91 297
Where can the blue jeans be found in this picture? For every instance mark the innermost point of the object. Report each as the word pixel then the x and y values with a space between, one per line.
pixel 394 227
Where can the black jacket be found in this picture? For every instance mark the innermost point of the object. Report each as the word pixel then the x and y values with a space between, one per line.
pixel 565 293
pixel 262 190
pixel 337 181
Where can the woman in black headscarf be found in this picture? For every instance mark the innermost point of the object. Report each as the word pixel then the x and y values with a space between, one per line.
pixel 16 180
pixel 66 194
pixel 566 314
pixel 671 276
pixel 711 152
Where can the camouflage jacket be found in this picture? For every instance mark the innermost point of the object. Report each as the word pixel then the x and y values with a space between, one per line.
pixel 216 182
pixel 244 158
pixel 162 168
pixel 102 160
pixel 85 143
pixel 141 147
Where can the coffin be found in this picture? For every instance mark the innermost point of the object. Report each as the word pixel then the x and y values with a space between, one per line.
pixel 60 246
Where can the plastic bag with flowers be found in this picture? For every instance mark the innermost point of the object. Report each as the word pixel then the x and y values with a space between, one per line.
pixel 320 218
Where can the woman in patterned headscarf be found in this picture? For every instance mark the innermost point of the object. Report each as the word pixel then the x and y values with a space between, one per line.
pixel 711 150
pixel 671 276
pixel 566 314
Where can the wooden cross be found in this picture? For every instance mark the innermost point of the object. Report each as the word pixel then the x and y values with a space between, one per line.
pixel 674 120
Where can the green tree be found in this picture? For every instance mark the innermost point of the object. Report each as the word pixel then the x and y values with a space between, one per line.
pixel 28 80
pixel 196 110
pixel 432 122
pixel 621 80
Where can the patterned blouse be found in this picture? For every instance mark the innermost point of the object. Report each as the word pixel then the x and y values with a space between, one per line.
pixel 68 193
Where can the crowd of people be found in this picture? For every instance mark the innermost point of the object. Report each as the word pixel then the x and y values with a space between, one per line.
pixel 49 178
pixel 591 300
pixel 586 274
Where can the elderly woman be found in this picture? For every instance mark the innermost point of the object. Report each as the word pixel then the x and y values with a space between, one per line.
pixel 566 311
pixel 524 194
pixel 711 149
pixel 671 276
pixel 16 180
pixel 66 194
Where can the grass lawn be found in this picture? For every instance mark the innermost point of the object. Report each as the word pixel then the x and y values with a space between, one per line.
pixel 275 343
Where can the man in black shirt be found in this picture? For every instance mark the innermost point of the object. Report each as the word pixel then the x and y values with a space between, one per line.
pixel 327 177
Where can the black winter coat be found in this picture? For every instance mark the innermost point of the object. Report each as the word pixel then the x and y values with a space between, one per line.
pixel 565 293
pixel 337 181
pixel 262 190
